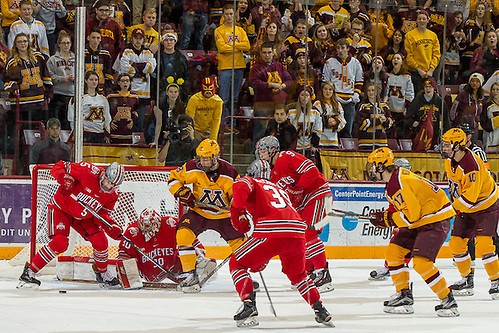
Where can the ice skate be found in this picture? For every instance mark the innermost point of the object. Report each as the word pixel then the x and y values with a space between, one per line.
pixel 447 307
pixel 494 289
pixel 190 284
pixel 379 274
pixel 247 314
pixel 27 279
pixel 322 316
pixel 322 280
pixel 204 266
pixel 400 303
pixel 464 287
pixel 106 280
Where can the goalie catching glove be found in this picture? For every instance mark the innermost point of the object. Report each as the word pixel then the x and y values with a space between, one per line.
pixel 185 196
pixel 383 219
pixel 239 220
pixel 67 183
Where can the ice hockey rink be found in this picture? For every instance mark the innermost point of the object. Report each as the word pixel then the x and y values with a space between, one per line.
pixel 355 304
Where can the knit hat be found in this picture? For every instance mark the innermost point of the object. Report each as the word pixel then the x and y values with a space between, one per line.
pixel 300 89
pixel 477 76
pixel 378 57
pixel 169 34
pixel 208 85
pixel 431 81
pixel 299 51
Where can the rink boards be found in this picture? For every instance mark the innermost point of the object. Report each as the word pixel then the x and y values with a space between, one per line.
pixel 344 238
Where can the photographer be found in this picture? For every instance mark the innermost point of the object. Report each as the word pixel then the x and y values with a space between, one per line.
pixel 180 145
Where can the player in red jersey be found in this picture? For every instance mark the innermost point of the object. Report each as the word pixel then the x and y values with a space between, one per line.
pixel 310 195
pixel 97 188
pixel 155 235
pixel 123 106
pixel 278 230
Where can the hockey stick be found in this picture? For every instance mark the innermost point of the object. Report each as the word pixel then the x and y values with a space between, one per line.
pixel 211 206
pixel 169 274
pixel 337 213
pixel 207 277
pixel 268 295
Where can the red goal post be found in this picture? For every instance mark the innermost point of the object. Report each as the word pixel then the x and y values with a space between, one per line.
pixel 142 187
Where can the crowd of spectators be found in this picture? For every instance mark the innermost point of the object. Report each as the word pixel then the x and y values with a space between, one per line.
pixel 365 69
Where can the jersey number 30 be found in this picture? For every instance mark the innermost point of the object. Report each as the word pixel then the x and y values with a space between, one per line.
pixel 278 195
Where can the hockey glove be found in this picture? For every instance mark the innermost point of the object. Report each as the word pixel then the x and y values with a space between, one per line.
pixel 383 219
pixel 185 196
pixel 114 232
pixel 67 183
pixel 239 220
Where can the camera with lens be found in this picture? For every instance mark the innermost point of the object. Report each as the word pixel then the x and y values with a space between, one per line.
pixel 175 131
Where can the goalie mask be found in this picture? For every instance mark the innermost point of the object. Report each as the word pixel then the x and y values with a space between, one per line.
pixel 452 141
pixel 207 155
pixel 266 148
pixel 114 174
pixel 259 169
pixel 378 161
pixel 149 223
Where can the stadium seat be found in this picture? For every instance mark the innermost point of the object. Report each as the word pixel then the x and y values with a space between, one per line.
pixel 350 143
pixel 405 144
pixel 31 136
pixel 65 135
pixel 138 138
pixel 392 144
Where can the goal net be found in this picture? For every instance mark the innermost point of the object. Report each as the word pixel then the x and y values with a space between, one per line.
pixel 142 187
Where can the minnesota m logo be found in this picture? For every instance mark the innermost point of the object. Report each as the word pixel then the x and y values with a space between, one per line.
pixel 96 113
pixel 213 197
pixel 31 77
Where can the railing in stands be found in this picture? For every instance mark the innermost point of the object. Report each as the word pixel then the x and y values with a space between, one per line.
pixel 221 131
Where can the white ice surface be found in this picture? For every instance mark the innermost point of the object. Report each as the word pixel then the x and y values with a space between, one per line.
pixel 356 305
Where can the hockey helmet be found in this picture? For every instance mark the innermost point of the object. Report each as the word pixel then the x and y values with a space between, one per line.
pixel 115 173
pixel 270 144
pixel 259 169
pixel 455 138
pixel 149 222
pixel 208 148
pixel 378 161
pixel 466 128
pixel 402 163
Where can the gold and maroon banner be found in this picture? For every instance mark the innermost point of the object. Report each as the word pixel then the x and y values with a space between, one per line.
pixel 351 165
pixel 123 154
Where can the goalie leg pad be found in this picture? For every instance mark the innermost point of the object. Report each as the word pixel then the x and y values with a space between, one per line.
pixel 128 274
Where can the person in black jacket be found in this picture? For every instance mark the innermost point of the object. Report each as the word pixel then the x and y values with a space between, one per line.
pixel 173 64
pixel 51 149
pixel 282 129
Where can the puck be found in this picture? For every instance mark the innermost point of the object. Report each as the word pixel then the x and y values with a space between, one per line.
pixel 62 291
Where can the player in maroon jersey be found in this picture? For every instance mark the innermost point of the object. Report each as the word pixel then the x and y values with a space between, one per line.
pixel 155 235
pixel 97 188
pixel 123 106
pixel 278 230
pixel 310 195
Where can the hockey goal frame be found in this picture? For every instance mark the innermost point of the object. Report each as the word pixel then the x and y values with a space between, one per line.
pixel 130 198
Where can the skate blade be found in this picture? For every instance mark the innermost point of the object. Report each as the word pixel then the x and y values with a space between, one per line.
pixel 380 278
pixel 110 287
pixel 463 292
pixel 191 289
pixel 328 323
pixel 27 286
pixel 247 322
pixel 403 309
pixel 325 288
pixel 494 296
pixel 452 312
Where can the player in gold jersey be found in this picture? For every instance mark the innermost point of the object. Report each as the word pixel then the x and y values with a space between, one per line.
pixel 474 196
pixel 211 180
pixel 422 212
